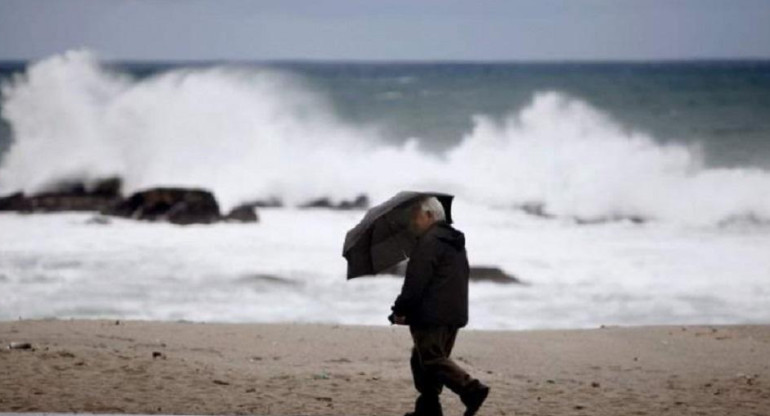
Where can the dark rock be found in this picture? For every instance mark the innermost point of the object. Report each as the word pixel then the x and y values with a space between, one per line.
pixel 15 202
pixel 176 205
pixel 492 274
pixel 318 203
pixel 536 209
pixel 110 187
pixel 243 213
pixel 360 202
pixel 66 196
pixel 68 202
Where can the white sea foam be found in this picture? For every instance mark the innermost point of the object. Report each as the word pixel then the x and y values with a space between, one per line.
pixel 249 133
pixel 574 161
pixel 289 267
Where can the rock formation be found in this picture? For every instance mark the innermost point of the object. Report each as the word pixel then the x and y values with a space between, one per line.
pixel 175 205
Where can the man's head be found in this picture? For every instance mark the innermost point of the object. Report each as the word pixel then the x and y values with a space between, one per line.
pixel 424 213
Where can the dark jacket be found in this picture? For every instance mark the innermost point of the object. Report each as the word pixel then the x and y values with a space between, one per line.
pixel 435 290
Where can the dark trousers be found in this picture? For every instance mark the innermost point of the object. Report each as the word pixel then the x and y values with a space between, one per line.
pixel 432 368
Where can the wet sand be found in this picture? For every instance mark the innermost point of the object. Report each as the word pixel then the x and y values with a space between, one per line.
pixel 290 369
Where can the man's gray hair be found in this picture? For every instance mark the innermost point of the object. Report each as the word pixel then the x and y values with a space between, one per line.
pixel 432 205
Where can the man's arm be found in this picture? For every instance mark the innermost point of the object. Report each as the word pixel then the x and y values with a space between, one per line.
pixel 419 271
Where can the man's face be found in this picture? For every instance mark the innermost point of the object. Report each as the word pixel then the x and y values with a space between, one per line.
pixel 421 220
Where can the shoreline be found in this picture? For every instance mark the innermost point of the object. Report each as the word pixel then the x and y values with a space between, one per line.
pixel 154 367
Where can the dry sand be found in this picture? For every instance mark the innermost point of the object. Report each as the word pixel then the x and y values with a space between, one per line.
pixel 191 368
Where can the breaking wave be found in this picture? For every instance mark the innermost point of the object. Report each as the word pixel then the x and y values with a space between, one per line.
pixel 249 133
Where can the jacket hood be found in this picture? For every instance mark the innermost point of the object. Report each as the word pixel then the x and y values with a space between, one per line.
pixel 449 234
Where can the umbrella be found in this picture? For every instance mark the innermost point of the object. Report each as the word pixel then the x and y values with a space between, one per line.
pixel 382 239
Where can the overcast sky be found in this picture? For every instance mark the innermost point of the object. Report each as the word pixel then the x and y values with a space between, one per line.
pixel 387 30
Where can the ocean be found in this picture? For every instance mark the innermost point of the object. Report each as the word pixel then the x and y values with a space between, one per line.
pixel 621 193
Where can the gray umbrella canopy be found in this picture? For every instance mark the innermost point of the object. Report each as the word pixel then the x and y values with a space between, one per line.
pixel 382 239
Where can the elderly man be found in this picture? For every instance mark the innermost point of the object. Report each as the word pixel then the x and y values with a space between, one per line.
pixel 434 303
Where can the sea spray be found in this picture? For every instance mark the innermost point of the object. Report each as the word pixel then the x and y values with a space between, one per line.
pixel 256 133
pixel 243 134
pixel 570 159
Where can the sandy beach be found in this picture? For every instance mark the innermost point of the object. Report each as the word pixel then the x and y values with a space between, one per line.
pixel 282 369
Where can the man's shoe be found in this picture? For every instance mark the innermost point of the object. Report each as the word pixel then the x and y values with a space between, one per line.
pixel 474 399
pixel 427 406
pixel 423 414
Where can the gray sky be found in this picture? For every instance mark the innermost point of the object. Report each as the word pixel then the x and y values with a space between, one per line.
pixel 387 30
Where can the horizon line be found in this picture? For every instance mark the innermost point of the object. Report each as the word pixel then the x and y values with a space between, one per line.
pixel 319 61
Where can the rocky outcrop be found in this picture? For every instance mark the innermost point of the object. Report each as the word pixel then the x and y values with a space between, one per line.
pixel 492 274
pixel 360 202
pixel 15 202
pixel 536 209
pixel 243 213
pixel 66 196
pixel 175 205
